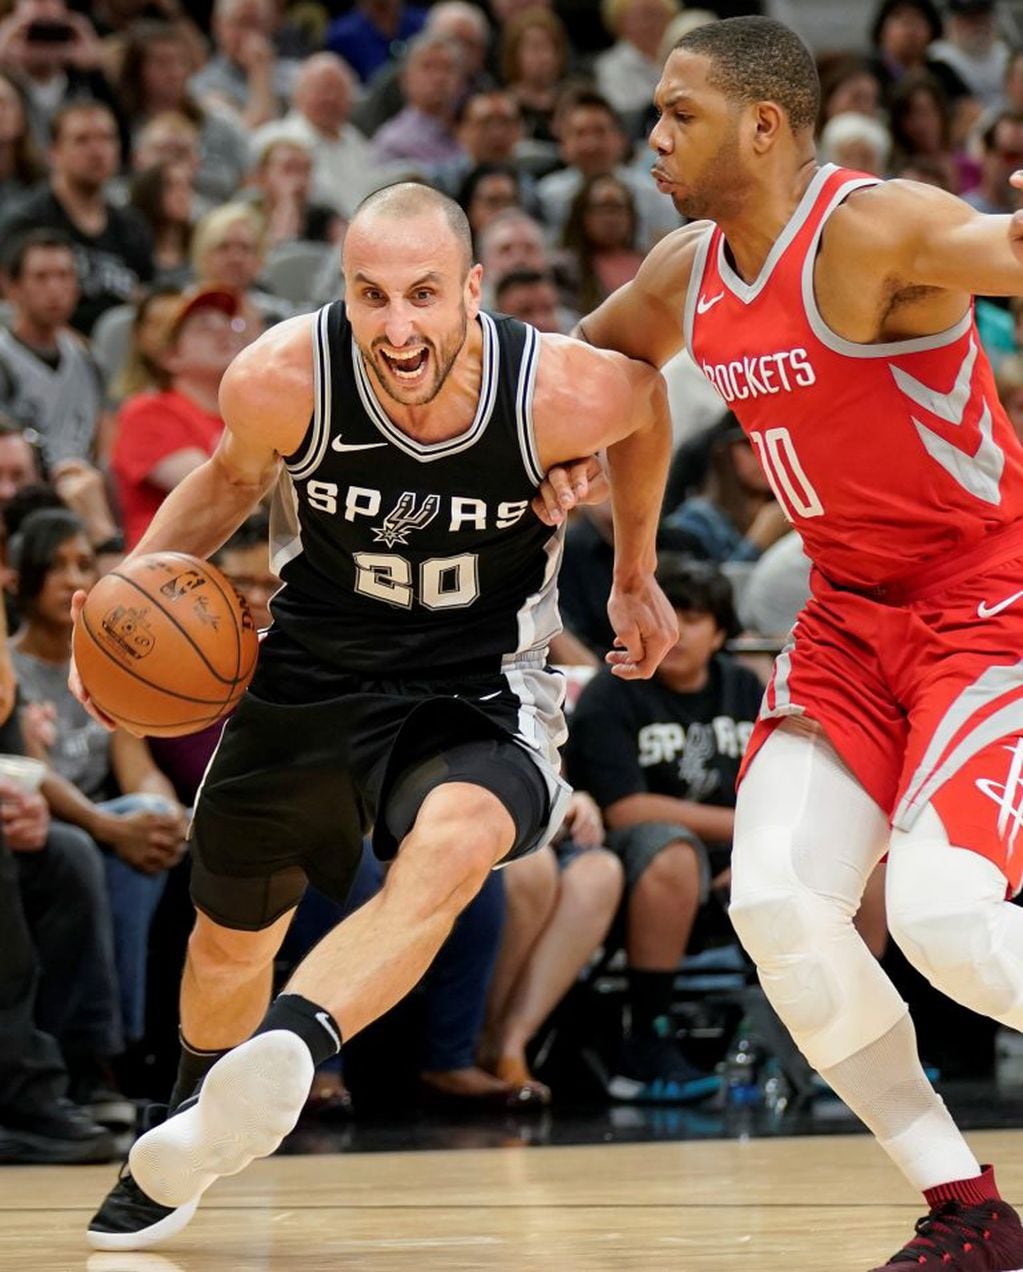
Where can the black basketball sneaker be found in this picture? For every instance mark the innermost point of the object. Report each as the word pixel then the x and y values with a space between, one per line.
pixel 129 1219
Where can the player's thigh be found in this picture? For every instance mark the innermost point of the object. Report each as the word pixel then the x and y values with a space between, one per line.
pixel 278 807
pixel 803 823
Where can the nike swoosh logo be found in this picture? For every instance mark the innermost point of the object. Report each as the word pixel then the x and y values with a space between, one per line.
pixel 703 304
pixel 989 611
pixel 324 1020
pixel 338 445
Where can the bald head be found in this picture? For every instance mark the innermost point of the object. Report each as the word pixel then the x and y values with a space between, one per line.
pixel 409 200
pixel 324 90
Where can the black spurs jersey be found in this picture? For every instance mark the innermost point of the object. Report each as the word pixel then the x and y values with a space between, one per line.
pixel 400 556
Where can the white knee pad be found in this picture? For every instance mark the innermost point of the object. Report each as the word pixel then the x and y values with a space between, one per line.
pixel 947 911
pixel 806 840
pixel 814 967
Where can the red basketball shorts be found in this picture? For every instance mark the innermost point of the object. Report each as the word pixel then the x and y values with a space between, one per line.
pixel 919 688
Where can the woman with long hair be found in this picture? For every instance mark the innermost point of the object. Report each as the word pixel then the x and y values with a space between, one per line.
pixel 163 195
pixel 534 61
pixel 601 235
pixel 153 76
pixel 21 166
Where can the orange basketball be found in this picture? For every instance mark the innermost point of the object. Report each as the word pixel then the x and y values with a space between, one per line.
pixel 165 645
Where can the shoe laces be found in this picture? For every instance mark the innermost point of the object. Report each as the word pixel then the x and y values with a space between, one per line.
pixel 950 1229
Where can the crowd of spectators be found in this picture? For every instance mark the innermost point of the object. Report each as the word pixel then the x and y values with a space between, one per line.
pixel 171 186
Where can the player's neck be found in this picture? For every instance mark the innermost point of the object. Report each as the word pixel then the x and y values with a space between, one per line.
pixel 451 412
pixel 763 215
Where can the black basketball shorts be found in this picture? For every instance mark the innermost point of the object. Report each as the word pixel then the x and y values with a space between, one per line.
pixel 295 784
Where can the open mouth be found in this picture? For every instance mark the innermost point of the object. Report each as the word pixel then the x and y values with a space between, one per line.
pixel 408 365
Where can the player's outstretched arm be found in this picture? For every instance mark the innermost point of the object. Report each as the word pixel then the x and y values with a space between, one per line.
pixel 925 237
pixel 587 400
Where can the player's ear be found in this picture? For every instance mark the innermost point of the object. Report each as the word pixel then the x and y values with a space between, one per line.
pixel 768 122
pixel 473 289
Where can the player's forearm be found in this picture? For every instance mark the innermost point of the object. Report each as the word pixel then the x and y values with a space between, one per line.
pixel 709 822
pixel 637 471
pixel 201 513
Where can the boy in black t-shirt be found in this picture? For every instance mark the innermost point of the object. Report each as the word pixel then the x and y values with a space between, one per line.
pixel 661 757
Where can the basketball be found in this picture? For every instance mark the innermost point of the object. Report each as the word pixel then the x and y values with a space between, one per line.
pixel 165 645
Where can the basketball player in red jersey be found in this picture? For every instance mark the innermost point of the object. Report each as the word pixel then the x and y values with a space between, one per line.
pixel 833 314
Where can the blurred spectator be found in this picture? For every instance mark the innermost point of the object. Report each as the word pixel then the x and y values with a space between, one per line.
pixel 921 128
pixel 532 296
pixel 374 32
pixel 423 133
pixel 927 170
pixel 280 187
pixel 1002 153
pixel 777 589
pixel 140 368
pixel 559 904
pixel 661 758
pixel 227 252
pixel 901 34
pixel 601 235
pixel 89 766
pixel 342 157
pixel 486 192
pixel 456 20
pixel 848 83
pixel 164 197
pixel 856 141
pixel 736 516
pixel 75 484
pixel 113 19
pixel 58 56
pixel 57 947
pixel 21 164
pixel 513 240
pixel 973 49
pixel 113 249
pixel 48 381
pixel 163 436
pixel 245 76
pixel 489 128
pixel 534 60
pixel 593 145
pixel 627 73
pixel 1009 380
pixel 1012 95
pixel 153 79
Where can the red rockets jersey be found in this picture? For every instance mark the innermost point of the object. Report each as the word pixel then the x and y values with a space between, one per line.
pixel 884 456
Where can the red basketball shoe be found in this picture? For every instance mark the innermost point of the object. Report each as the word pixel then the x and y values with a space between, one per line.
pixel 957 1238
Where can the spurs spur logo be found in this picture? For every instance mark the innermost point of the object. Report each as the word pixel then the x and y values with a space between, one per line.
pixel 406 515
pixel 1008 795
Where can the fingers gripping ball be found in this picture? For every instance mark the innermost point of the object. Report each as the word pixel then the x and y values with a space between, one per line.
pixel 165 645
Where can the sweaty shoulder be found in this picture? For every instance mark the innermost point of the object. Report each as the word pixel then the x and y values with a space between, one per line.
pixel 267 391
pixel 882 223
pixel 644 318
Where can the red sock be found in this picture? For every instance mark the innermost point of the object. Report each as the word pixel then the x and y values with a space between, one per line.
pixel 970 1192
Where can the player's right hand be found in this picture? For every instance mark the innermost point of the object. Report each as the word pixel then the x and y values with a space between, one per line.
pixel 566 486
pixel 74 680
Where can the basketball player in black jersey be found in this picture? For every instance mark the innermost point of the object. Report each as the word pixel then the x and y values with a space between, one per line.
pixel 403 684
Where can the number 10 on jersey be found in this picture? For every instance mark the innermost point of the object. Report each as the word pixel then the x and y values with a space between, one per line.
pixel 785 474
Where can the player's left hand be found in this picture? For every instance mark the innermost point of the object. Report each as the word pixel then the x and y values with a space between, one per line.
pixel 1016 220
pixel 645 626
pixel 568 485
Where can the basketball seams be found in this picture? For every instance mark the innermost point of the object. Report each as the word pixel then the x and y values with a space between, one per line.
pixel 232 679
pixel 170 693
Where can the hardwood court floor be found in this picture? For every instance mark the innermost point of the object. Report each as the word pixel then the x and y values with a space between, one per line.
pixel 826 1204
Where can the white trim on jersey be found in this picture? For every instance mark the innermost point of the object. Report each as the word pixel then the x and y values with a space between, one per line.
pixel 285 525
pixel 932 772
pixel 428 451
pixel 779 682
pixel 748 292
pixel 524 405
pixel 319 434
pixel 695 286
pixel 837 343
